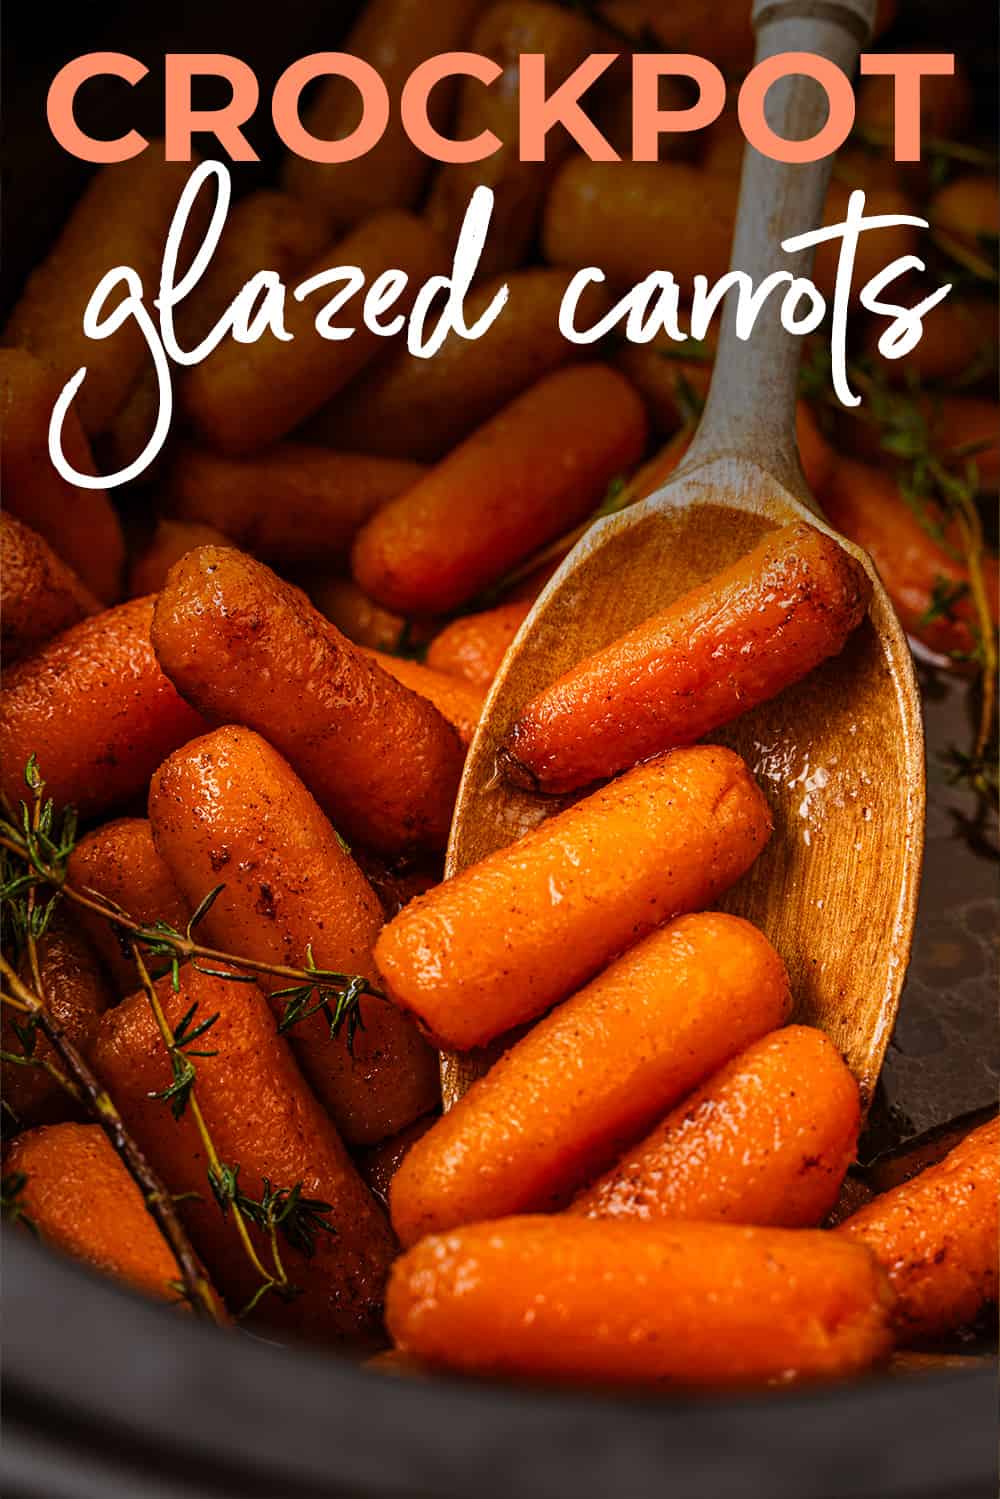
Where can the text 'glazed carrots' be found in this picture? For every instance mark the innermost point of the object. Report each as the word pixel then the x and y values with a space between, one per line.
pixel 594 1074
pixel 690 1303
pixel 717 652
pixel 506 938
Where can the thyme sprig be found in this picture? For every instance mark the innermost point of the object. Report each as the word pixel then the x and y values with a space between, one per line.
pixel 11 1207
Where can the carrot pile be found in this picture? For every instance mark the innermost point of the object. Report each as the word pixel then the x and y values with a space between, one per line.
pixel 260 707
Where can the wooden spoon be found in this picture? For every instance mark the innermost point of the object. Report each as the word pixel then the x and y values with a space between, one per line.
pixel 840 755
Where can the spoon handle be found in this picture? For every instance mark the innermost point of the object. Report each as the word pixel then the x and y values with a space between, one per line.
pixel 750 410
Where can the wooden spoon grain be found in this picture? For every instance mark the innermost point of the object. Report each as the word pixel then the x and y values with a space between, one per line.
pixel 840 755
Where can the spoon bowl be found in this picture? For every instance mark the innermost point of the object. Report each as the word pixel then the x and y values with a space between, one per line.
pixel 840 754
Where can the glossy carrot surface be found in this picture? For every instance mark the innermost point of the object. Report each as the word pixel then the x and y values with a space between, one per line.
pixel 502 941
pixel 41 595
pixel 717 652
pixel 593 1075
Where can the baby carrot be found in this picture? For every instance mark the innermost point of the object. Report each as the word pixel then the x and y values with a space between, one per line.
pixel 686 1303
pixel 502 941
pixel 594 1075
pixel 959 338
pixel 265 1125
pixel 228 809
pixel 347 606
pixel 121 219
pixel 79 525
pixel 119 862
pixel 936 1235
pixel 960 425
pixel 717 652
pixel 41 595
pixel 474 647
pixel 509 29
pixel 407 407
pixel 171 541
pixel 293 503
pixel 461 703
pixel 244 396
pixel 723 33
pixel 394 37
pixel 96 710
pixel 926 582
pixel 767 1140
pixel 83 1202
pixel 249 648
pixel 523 479
pixel 965 213
pixel 76 995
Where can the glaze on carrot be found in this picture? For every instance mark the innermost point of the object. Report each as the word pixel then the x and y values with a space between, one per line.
pixel 229 810
pixel 119 862
pixel 171 541
pixel 717 652
pixel 594 1075
pixel 506 938
pixel 379 1164
pixel 575 1300
pixel 83 1202
pixel 263 1119
pixel 96 710
pixel 80 525
pixel 248 648
pixel 294 503
pixel 936 1235
pixel 41 595
pixel 244 396
pixel 520 481
pixel 347 606
pixel 766 1140
pixel 474 647
pixel 76 995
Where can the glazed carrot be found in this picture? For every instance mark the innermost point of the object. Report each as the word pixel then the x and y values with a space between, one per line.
pixel 461 703
pixel 244 396
pixel 673 386
pixel 121 219
pixel 521 480
pixel 394 37
pixel 631 218
pixel 474 647
pixel 502 941
pixel 591 1077
pixel 721 649
pixel 119 861
pixel 507 30
pixel 79 525
pixel 959 337
pixel 396 887
pixel 249 648
pixel 266 230
pixel 632 1303
pixel 41 595
pixel 96 710
pixel 379 1165
pixel 263 1120
pixel 227 809
pixel 293 503
pixel 937 1237
pixel 926 583
pixel 347 606
pixel 76 994
pixel 408 407
pixel 767 1140
pixel 171 541
pixel 83 1202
